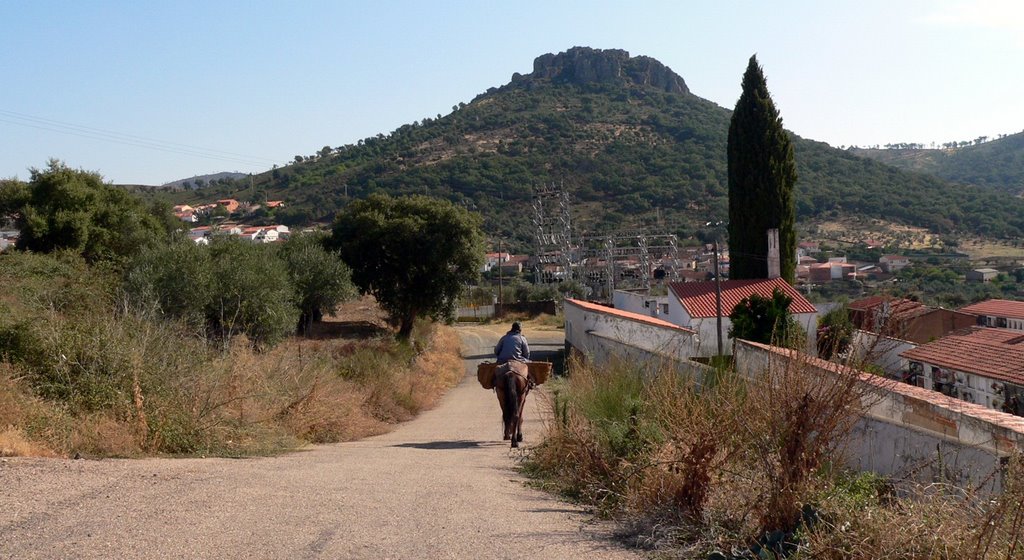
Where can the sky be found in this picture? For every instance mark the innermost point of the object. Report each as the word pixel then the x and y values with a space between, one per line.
pixel 148 92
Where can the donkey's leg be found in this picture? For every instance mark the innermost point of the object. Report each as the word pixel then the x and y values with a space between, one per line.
pixel 519 420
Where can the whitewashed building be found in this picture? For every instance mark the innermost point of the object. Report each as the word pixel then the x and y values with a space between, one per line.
pixel 978 364
pixel 998 313
pixel 641 303
pixel 693 306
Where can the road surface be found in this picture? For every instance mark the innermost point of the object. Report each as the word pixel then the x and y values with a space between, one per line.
pixel 441 486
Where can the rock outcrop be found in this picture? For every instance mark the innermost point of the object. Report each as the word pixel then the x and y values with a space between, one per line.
pixel 583 65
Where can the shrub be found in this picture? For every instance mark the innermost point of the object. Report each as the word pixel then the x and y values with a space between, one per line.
pixel 175 279
pixel 252 293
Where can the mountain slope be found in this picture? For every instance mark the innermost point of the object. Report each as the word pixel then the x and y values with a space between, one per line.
pixel 626 138
pixel 199 181
pixel 998 164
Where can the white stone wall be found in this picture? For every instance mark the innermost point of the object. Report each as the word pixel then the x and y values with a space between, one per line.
pixel 583 326
pixel 883 352
pixel 910 432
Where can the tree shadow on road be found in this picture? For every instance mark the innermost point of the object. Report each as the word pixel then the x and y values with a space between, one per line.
pixel 456 444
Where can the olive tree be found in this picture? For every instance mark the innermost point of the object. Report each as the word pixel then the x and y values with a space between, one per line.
pixel 320 278
pixel 414 254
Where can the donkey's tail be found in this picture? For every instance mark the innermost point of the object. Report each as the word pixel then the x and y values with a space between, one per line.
pixel 511 398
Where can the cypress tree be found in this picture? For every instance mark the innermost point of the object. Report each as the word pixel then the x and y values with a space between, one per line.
pixel 762 173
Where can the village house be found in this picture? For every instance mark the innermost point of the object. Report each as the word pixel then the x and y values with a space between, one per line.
pixel 641 303
pixel 823 273
pixel 999 313
pixel 982 275
pixel 229 204
pixel 893 263
pixel 693 306
pixel 981 365
pixel 259 235
pixel 492 260
pixel 200 235
pixel 513 265
pixel 807 248
pixel 907 320
pixel 271 204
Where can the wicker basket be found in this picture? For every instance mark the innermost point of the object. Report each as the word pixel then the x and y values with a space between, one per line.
pixel 485 374
pixel 539 371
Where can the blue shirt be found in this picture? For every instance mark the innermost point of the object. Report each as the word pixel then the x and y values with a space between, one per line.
pixel 512 347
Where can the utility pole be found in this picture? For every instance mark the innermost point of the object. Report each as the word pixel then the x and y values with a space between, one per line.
pixel 500 302
pixel 718 300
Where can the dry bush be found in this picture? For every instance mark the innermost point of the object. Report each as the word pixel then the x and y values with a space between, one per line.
pixel 437 369
pixel 582 452
pixel 100 434
pixel 749 467
pixel 29 426
pixel 931 522
pixel 796 419
pixel 702 432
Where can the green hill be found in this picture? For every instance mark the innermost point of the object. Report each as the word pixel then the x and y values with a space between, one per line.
pixel 997 164
pixel 630 143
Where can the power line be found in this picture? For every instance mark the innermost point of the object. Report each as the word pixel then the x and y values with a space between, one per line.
pixel 30 121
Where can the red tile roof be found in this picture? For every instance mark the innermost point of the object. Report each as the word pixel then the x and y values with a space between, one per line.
pixel 898 307
pixel 626 314
pixel 996 308
pixel 698 298
pixel 995 353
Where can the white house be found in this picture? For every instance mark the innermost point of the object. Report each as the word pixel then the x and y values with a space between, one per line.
pixel 693 306
pixel 978 364
pixel 200 235
pixel 492 260
pixel 641 303
pixel 999 313
pixel 893 263
pixel 259 234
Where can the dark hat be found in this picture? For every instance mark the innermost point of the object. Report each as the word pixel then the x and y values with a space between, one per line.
pixel 516 327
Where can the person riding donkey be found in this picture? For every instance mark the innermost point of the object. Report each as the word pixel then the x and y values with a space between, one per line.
pixel 512 353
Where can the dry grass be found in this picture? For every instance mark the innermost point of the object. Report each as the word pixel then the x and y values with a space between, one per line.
pixel 979 249
pixel 13 443
pixel 855 231
pixel 748 466
pixel 243 402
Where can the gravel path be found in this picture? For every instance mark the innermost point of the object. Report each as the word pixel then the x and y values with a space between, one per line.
pixel 441 486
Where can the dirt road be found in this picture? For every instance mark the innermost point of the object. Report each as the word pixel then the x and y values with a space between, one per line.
pixel 441 486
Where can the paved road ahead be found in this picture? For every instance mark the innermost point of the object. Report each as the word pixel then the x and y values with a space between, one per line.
pixel 441 486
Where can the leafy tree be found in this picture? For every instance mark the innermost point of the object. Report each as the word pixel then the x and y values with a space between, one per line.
pixel 175 279
pixel 762 173
pixel 251 293
pixel 766 320
pixel 320 278
pixel 63 208
pixel 414 254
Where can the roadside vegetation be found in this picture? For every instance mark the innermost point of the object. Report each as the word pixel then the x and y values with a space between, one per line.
pixel 86 372
pixel 118 337
pixel 751 469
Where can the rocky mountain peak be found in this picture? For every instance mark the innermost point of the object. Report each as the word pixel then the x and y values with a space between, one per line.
pixel 584 65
